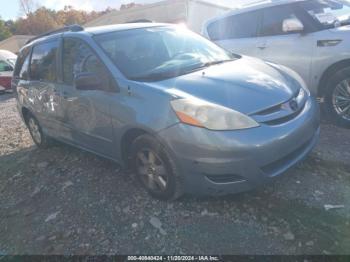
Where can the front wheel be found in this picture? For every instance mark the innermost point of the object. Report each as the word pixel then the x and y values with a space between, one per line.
pixel 155 169
pixel 337 98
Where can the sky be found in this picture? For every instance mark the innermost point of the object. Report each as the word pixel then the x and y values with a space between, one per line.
pixel 10 8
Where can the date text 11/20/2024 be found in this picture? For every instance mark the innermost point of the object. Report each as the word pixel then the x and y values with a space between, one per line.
pixel 173 258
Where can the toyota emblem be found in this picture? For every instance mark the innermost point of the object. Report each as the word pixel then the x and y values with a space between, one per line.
pixel 293 105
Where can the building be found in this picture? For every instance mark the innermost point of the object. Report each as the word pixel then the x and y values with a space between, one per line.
pixel 14 43
pixel 191 12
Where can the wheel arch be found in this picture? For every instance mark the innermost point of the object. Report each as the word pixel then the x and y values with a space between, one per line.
pixel 331 70
pixel 134 132
pixel 127 139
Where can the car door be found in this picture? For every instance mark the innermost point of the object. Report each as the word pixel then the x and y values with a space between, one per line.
pixel 42 90
pixel 236 33
pixel 289 48
pixel 86 112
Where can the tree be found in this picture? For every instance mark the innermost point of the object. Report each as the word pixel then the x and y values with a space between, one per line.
pixel 27 6
pixel 11 25
pixel 38 22
pixel 69 16
pixel 4 31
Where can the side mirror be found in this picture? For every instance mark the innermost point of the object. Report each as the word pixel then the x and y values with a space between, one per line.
pixel 87 81
pixel 292 25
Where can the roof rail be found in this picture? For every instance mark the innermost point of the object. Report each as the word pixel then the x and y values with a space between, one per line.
pixel 140 21
pixel 259 2
pixel 69 28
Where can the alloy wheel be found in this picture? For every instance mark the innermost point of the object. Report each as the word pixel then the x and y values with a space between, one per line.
pixel 34 129
pixel 341 99
pixel 151 170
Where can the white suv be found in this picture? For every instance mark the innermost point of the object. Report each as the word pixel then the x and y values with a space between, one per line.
pixel 310 36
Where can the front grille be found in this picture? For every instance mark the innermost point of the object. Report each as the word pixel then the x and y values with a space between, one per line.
pixel 274 167
pixel 284 112
pixel 266 119
pixel 270 110
pixel 282 120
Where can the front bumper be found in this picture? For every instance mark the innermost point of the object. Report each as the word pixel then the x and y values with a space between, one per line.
pixel 223 162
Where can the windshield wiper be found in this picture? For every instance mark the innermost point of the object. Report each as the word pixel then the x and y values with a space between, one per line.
pixel 338 23
pixel 208 64
pixel 154 76
pixel 168 74
pixel 345 22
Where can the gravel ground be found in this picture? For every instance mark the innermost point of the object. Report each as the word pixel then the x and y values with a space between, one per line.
pixel 65 201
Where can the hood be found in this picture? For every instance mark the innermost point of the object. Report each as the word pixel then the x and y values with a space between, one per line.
pixel 341 33
pixel 247 85
pixel 341 29
pixel 4 54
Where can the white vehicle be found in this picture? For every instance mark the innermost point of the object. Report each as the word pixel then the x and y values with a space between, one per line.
pixel 311 37
pixel 7 64
pixel 8 57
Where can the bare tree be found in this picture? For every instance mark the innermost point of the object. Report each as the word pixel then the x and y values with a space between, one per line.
pixel 27 6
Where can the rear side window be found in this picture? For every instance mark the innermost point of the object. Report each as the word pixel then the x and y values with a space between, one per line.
pixel 238 26
pixel 21 67
pixel 273 20
pixel 24 73
pixel 44 62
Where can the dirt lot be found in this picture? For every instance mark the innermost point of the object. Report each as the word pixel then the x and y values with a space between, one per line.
pixel 65 201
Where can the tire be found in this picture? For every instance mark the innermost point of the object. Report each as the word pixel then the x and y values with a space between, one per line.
pixel 155 169
pixel 338 85
pixel 36 132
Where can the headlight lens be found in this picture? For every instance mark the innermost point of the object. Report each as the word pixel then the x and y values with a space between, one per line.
pixel 200 113
pixel 301 96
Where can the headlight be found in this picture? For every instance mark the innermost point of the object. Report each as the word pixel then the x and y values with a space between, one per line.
pixel 301 96
pixel 200 113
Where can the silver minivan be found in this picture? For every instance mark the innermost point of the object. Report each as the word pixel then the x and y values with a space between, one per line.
pixel 186 115
pixel 312 37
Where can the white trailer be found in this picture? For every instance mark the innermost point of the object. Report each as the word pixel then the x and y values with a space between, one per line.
pixel 193 13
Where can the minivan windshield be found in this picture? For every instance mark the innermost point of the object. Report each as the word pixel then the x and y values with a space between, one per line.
pixel 156 53
pixel 330 13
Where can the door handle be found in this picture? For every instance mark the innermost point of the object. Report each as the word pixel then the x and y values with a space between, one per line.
pixel 261 46
pixel 56 92
pixel 65 94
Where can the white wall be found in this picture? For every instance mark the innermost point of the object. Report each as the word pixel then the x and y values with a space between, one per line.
pixel 193 12
pixel 199 13
pixel 230 3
